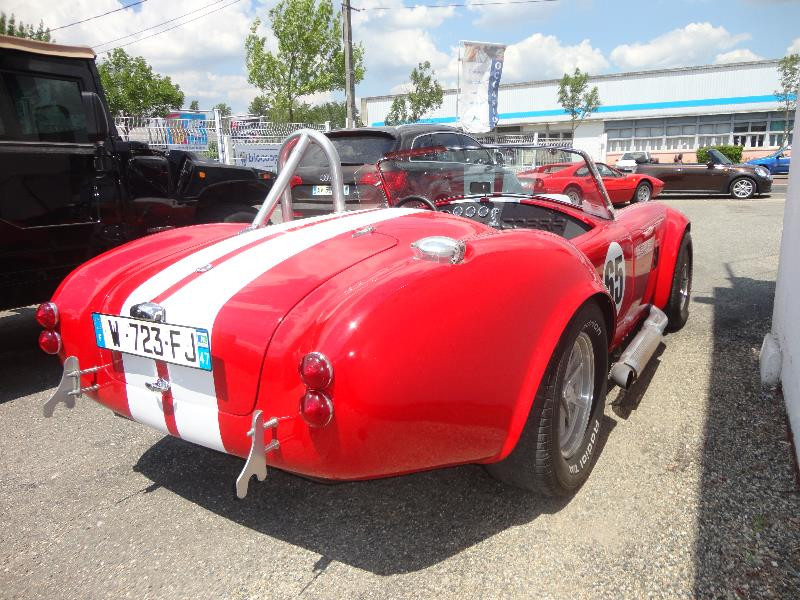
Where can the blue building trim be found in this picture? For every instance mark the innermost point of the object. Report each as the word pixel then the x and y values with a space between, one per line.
pixel 621 108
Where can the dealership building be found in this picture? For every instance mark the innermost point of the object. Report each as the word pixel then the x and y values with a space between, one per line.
pixel 665 111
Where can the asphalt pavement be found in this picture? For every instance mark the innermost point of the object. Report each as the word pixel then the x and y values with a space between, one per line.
pixel 693 495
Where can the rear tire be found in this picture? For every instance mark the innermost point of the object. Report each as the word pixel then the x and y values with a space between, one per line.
pixel 550 457
pixel 677 310
pixel 574 194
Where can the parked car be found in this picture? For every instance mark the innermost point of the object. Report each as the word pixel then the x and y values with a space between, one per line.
pixel 380 342
pixel 718 176
pixel 575 181
pixel 455 160
pixel 71 188
pixel 778 162
pixel 630 160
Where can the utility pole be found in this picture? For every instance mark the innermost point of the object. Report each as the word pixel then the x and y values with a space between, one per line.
pixel 349 83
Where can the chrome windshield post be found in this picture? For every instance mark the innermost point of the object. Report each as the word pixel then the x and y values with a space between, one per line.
pixel 289 157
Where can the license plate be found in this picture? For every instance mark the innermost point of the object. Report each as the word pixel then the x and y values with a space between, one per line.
pixel 325 190
pixel 177 344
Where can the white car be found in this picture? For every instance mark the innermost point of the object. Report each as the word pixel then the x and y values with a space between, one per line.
pixel 629 160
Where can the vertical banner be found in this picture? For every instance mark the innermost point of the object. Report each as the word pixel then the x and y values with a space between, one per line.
pixel 481 69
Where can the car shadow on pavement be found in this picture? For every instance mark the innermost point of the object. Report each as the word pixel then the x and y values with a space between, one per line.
pixel 24 368
pixel 748 526
pixel 385 526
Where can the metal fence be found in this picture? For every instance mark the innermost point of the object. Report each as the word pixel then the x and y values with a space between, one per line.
pixel 243 140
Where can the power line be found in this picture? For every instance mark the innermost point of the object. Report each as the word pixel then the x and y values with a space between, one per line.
pixel 173 27
pixel 101 15
pixel 455 5
pixel 158 24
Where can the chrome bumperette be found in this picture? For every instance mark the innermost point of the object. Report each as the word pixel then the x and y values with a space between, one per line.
pixel 69 389
pixel 256 463
pixel 289 157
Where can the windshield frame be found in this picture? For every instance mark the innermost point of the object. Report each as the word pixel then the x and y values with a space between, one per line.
pixel 608 205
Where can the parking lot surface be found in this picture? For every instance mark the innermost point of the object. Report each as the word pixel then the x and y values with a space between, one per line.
pixel 693 495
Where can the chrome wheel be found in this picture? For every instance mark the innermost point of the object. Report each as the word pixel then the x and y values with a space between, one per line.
pixel 643 193
pixel 574 196
pixel 742 188
pixel 686 284
pixel 577 393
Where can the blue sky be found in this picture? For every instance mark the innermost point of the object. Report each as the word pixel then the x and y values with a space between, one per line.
pixel 206 57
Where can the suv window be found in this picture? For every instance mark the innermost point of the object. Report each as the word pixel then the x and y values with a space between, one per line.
pixel 473 152
pixel 352 149
pixel 453 145
pixel 43 109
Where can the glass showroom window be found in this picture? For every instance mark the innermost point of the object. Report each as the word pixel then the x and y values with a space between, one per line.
pixel 750 134
pixel 776 132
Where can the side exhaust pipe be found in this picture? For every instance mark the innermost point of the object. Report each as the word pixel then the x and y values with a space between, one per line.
pixel 641 349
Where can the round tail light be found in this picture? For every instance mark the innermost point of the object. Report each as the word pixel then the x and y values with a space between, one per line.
pixel 316 408
pixel 316 371
pixel 50 341
pixel 47 315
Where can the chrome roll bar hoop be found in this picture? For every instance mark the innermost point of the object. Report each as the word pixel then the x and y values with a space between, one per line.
pixel 289 157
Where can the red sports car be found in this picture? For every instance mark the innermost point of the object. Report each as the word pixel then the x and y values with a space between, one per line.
pixel 354 345
pixel 575 181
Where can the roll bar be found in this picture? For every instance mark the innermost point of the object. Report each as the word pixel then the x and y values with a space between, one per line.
pixel 289 157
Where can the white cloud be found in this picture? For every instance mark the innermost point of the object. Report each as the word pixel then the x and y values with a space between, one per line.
pixel 205 57
pixel 696 43
pixel 542 56
pixel 500 15
pixel 738 55
pixel 794 47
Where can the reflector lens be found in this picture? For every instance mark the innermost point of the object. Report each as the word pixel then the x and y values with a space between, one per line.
pixel 316 371
pixel 295 181
pixel 47 315
pixel 316 409
pixel 50 341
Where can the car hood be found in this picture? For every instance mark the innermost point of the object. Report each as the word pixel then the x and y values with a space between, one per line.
pixel 241 287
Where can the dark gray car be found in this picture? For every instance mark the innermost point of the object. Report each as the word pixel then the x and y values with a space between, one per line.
pixel 718 176
pixel 458 162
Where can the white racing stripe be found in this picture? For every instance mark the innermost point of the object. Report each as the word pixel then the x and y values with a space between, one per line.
pixel 184 267
pixel 197 305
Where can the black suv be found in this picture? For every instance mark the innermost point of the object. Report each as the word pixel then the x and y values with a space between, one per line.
pixel 71 188
pixel 457 164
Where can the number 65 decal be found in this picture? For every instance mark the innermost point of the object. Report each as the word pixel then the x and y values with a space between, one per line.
pixel 614 273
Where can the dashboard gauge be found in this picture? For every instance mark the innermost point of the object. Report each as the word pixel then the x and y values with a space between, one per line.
pixel 470 211
pixel 483 211
pixel 458 210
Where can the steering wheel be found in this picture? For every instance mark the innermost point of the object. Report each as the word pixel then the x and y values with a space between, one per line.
pixel 428 204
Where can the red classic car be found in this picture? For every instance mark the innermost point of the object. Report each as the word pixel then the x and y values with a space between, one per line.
pixel 575 181
pixel 355 345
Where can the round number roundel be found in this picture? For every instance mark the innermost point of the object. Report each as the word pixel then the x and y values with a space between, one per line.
pixel 614 273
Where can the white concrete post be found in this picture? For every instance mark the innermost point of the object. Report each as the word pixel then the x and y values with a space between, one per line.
pixel 780 352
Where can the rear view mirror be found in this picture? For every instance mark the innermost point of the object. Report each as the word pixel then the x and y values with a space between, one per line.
pixel 499 159
pixel 96 117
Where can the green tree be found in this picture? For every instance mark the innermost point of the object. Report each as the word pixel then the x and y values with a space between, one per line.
pixel 309 57
pixel 789 71
pixel 334 112
pixel 576 98
pixel 224 109
pixel 426 94
pixel 133 89
pixel 9 26
pixel 194 105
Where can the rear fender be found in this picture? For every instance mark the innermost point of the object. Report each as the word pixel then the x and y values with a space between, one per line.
pixel 675 225
pixel 434 364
